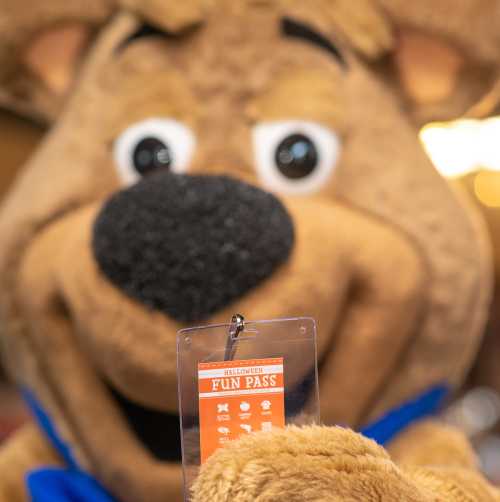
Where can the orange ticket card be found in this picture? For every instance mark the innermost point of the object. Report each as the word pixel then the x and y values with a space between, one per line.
pixel 239 397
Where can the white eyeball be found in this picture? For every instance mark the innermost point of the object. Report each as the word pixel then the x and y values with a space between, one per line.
pixel 295 157
pixel 150 145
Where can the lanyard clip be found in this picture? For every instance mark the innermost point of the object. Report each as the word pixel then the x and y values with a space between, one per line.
pixel 236 327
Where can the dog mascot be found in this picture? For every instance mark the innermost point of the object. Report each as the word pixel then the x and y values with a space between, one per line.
pixel 226 156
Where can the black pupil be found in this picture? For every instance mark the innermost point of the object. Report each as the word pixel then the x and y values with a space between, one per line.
pixel 151 154
pixel 296 156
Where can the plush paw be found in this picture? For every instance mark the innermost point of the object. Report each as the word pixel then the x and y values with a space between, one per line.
pixel 328 464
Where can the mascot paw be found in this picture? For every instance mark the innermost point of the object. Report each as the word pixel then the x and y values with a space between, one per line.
pixel 328 464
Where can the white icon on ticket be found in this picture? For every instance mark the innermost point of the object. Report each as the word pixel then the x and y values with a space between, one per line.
pixel 244 406
pixel 246 428
pixel 223 408
pixel 223 430
pixel 267 426
pixel 266 405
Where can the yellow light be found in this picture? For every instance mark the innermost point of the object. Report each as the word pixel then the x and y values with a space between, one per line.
pixel 463 146
pixel 487 188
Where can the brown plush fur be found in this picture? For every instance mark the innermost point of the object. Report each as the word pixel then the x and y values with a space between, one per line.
pixel 333 464
pixel 386 258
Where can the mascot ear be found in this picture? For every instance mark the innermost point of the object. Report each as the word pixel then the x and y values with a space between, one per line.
pixel 40 46
pixel 53 56
pixel 437 81
pixel 427 68
pixel 445 58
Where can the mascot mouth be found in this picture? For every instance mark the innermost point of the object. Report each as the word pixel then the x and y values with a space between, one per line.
pixel 158 431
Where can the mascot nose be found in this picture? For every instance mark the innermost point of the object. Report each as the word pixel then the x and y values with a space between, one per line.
pixel 190 245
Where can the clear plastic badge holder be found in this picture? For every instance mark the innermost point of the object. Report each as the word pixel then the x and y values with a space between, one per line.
pixel 240 378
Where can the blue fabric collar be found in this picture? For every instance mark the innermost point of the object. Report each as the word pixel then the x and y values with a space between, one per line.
pixel 45 423
pixel 65 485
pixel 73 485
pixel 68 484
pixel 397 420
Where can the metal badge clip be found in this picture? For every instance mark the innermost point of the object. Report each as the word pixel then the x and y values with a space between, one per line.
pixel 236 327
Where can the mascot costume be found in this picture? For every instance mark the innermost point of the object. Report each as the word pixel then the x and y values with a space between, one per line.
pixel 226 156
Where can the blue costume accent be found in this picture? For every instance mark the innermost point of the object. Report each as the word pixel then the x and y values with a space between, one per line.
pixel 65 485
pixel 53 484
pixel 73 485
pixel 395 421
pixel 45 423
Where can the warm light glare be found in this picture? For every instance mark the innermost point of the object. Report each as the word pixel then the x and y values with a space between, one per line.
pixel 487 188
pixel 463 146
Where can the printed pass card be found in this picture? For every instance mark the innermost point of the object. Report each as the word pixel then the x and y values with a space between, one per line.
pixel 239 397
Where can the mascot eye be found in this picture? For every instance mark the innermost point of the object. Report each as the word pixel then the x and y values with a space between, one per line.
pixel 151 145
pixel 295 157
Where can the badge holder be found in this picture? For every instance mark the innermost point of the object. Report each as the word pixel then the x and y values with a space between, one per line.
pixel 240 378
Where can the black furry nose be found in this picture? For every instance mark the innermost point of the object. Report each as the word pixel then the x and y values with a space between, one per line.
pixel 190 245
